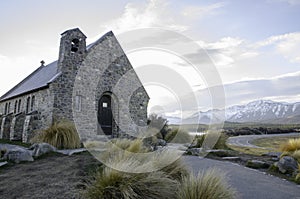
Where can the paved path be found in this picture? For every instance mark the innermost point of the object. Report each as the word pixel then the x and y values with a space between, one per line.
pixel 245 140
pixel 250 184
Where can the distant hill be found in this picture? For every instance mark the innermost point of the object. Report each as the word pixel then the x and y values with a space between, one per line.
pixel 260 111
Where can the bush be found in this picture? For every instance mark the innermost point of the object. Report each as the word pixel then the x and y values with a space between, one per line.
pixel 208 185
pixel 62 135
pixel 160 124
pixel 291 145
pixel 177 135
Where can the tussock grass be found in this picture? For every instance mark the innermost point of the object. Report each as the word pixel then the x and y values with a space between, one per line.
pixel 291 145
pixel 296 155
pixel 62 135
pixel 131 173
pixel 177 135
pixel 112 184
pixel 208 185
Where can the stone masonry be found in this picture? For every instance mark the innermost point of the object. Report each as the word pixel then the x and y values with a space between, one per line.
pixel 71 87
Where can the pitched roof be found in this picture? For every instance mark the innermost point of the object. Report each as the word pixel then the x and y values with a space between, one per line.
pixel 42 76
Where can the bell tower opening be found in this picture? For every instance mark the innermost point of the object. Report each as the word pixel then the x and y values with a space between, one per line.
pixel 75 45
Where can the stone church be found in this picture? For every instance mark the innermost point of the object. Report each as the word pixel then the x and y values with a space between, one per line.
pixel 48 94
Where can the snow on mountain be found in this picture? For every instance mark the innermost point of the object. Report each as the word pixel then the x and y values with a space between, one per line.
pixel 260 111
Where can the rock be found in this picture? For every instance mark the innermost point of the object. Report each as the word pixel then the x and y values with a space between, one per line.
pixel 18 155
pixel 3 163
pixel 287 165
pixel 41 148
pixel 221 152
pixel 194 151
pixel 257 164
pixel 273 154
pixel 231 158
pixel 161 142
pixel 71 151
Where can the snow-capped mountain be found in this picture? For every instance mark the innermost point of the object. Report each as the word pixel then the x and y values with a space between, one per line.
pixel 260 111
pixel 266 111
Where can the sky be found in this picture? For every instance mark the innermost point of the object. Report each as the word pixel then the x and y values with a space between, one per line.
pixel 253 45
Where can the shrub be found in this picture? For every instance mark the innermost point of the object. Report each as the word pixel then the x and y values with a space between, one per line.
pixel 62 135
pixel 177 135
pixel 291 145
pixel 208 185
pixel 159 123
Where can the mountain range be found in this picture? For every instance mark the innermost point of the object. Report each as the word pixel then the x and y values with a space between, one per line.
pixel 260 111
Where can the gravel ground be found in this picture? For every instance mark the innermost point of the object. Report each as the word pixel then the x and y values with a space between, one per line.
pixel 54 176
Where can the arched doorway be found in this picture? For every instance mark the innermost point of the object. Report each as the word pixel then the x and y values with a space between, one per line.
pixel 105 117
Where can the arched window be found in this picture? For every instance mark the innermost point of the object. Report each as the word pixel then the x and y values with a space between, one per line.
pixel 8 109
pixel 16 105
pixel 32 103
pixel 5 110
pixel 27 104
pixel 19 106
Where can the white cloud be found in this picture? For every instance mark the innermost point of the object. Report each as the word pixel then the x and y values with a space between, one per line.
pixel 228 50
pixel 155 13
pixel 291 2
pixel 287 45
pixel 202 11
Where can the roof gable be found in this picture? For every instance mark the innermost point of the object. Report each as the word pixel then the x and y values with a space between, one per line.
pixel 42 76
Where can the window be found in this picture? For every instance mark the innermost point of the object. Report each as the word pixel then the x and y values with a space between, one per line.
pixel 8 108
pixel 5 110
pixel 27 104
pixel 19 106
pixel 78 103
pixel 16 104
pixel 32 103
pixel 104 105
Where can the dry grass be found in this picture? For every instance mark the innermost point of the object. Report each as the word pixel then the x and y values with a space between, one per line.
pixel 62 135
pixel 291 145
pixel 131 173
pixel 112 184
pixel 177 135
pixel 208 185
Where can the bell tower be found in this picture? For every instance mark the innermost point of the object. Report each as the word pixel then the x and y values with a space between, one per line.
pixel 72 49
pixel 71 54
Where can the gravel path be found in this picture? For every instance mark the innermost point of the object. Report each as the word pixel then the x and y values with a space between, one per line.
pixel 249 183
pixel 245 140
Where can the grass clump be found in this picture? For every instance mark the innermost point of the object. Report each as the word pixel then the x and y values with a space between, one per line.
pixel 208 185
pixel 62 135
pixel 129 176
pixel 220 144
pixel 113 184
pixel 291 145
pixel 177 135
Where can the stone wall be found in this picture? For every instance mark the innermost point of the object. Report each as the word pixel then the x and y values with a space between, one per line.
pixel 106 69
pixel 43 103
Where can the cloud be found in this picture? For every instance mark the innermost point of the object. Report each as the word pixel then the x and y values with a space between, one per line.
pixel 227 51
pixel 155 13
pixel 288 45
pixel 291 2
pixel 202 11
